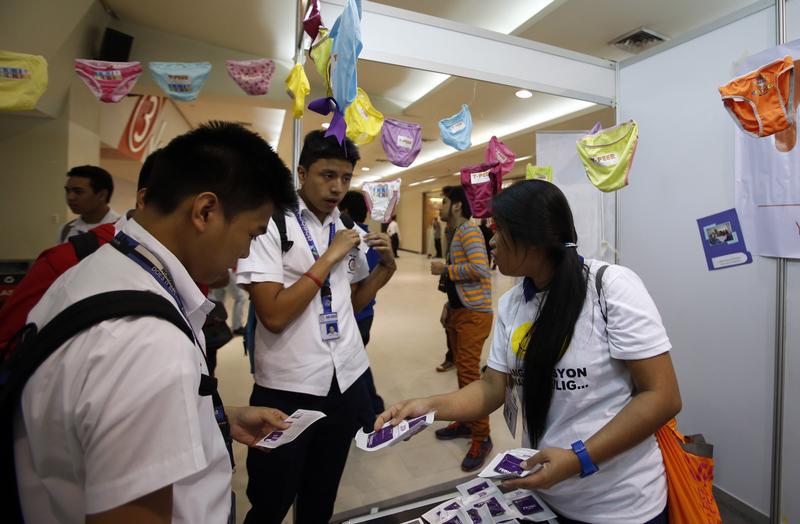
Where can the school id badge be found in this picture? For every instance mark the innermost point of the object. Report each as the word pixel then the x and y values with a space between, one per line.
pixel 329 326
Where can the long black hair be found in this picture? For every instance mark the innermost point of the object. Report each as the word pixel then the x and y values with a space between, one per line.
pixel 536 213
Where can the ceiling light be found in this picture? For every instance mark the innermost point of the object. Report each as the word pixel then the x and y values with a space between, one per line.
pixel 520 159
pixel 523 93
pixel 325 125
pixel 365 168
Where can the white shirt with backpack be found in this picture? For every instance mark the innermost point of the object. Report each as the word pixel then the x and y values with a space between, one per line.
pixel 79 225
pixel 591 385
pixel 116 413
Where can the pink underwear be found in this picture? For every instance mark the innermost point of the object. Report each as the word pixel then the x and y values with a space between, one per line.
pixel 109 81
pixel 253 76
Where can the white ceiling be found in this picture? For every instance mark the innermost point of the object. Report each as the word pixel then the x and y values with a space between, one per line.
pixel 266 28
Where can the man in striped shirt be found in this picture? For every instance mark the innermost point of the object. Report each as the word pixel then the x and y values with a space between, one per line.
pixel 467 315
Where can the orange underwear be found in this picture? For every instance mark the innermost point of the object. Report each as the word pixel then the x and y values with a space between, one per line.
pixel 762 101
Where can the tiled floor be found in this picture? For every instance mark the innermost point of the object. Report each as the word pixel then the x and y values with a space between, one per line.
pixel 407 343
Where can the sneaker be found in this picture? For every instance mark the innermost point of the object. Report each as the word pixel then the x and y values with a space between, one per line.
pixel 477 454
pixel 239 332
pixel 447 365
pixel 454 430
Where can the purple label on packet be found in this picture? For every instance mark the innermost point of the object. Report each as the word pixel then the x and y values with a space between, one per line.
pixel 452 507
pixel 527 505
pixel 275 435
pixel 475 516
pixel 495 508
pixel 380 436
pixel 509 464
pixel 414 421
pixel 454 520
pixel 480 487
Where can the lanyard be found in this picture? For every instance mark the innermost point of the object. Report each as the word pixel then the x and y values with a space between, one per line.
pixel 325 292
pixel 150 263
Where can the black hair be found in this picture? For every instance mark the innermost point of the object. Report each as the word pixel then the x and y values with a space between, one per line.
pixel 536 213
pixel 146 170
pixel 316 146
pixel 355 205
pixel 223 158
pixel 456 194
pixel 99 178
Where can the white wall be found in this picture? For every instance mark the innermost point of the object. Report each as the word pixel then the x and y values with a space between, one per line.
pixel 721 323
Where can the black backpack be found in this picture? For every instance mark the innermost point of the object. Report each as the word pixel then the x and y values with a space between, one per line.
pixel 36 346
pixel 249 338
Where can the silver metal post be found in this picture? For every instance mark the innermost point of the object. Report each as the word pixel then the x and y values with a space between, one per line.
pixel 780 339
pixel 617 203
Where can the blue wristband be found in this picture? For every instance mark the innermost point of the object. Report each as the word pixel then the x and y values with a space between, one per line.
pixel 587 466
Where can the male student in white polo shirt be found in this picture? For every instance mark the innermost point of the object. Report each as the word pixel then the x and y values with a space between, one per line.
pixel 309 354
pixel 112 427
pixel 88 190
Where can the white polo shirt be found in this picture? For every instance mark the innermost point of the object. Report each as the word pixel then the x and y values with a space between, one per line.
pixel 115 414
pixel 298 359
pixel 79 225
pixel 591 384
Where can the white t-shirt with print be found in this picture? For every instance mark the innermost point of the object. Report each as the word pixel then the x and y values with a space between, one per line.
pixel 297 359
pixel 591 385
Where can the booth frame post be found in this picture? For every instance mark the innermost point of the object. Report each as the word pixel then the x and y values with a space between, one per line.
pixel 780 338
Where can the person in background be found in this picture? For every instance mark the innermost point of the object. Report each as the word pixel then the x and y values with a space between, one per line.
pixel 587 364
pixel 354 205
pixel 437 236
pixel 88 190
pixel 467 314
pixel 393 230
pixel 487 233
pixel 239 297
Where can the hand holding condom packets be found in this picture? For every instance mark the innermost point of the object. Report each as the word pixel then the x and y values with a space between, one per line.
pixel 390 435
pixel 508 464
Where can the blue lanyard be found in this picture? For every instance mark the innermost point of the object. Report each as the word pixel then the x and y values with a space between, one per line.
pixel 150 263
pixel 325 293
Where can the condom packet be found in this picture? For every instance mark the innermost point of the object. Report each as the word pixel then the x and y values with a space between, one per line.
pixel 390 435
pixel 298 422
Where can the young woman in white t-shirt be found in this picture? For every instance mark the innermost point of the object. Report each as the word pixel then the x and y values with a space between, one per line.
pixel 592 392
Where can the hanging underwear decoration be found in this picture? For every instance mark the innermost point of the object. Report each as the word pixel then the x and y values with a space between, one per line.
pixel 23 80
pixel 607 155
pixel 182 81
pixel 346 34
pixel 762 102
pixel 481 183
pixel 313 21
pixel 497 151
pixel 297 87
pixel 108 81
pixel 320 53
pixel 382 199
pixel 338 126
pixel 533 172
pixel 402 141
pixel 364 122
pixel 252 76
pixel 456 130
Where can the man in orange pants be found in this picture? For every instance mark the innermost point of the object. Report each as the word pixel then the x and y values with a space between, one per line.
pixel 467 316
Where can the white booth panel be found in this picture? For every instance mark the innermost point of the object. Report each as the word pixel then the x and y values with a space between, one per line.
pixel 721 323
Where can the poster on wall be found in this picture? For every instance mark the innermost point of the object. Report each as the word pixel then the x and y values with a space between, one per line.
pixel 135 139
pixel 767 173
pixel 723 241
pixel 557 149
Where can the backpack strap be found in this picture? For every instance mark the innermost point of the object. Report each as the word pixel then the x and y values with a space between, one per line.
pixel 280 221
pixel 25 361
pixel 66 229
pixel 598 284
pixel 85 244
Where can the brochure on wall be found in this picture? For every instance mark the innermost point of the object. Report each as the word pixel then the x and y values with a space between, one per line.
pixel 723 242
pixel 767 185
